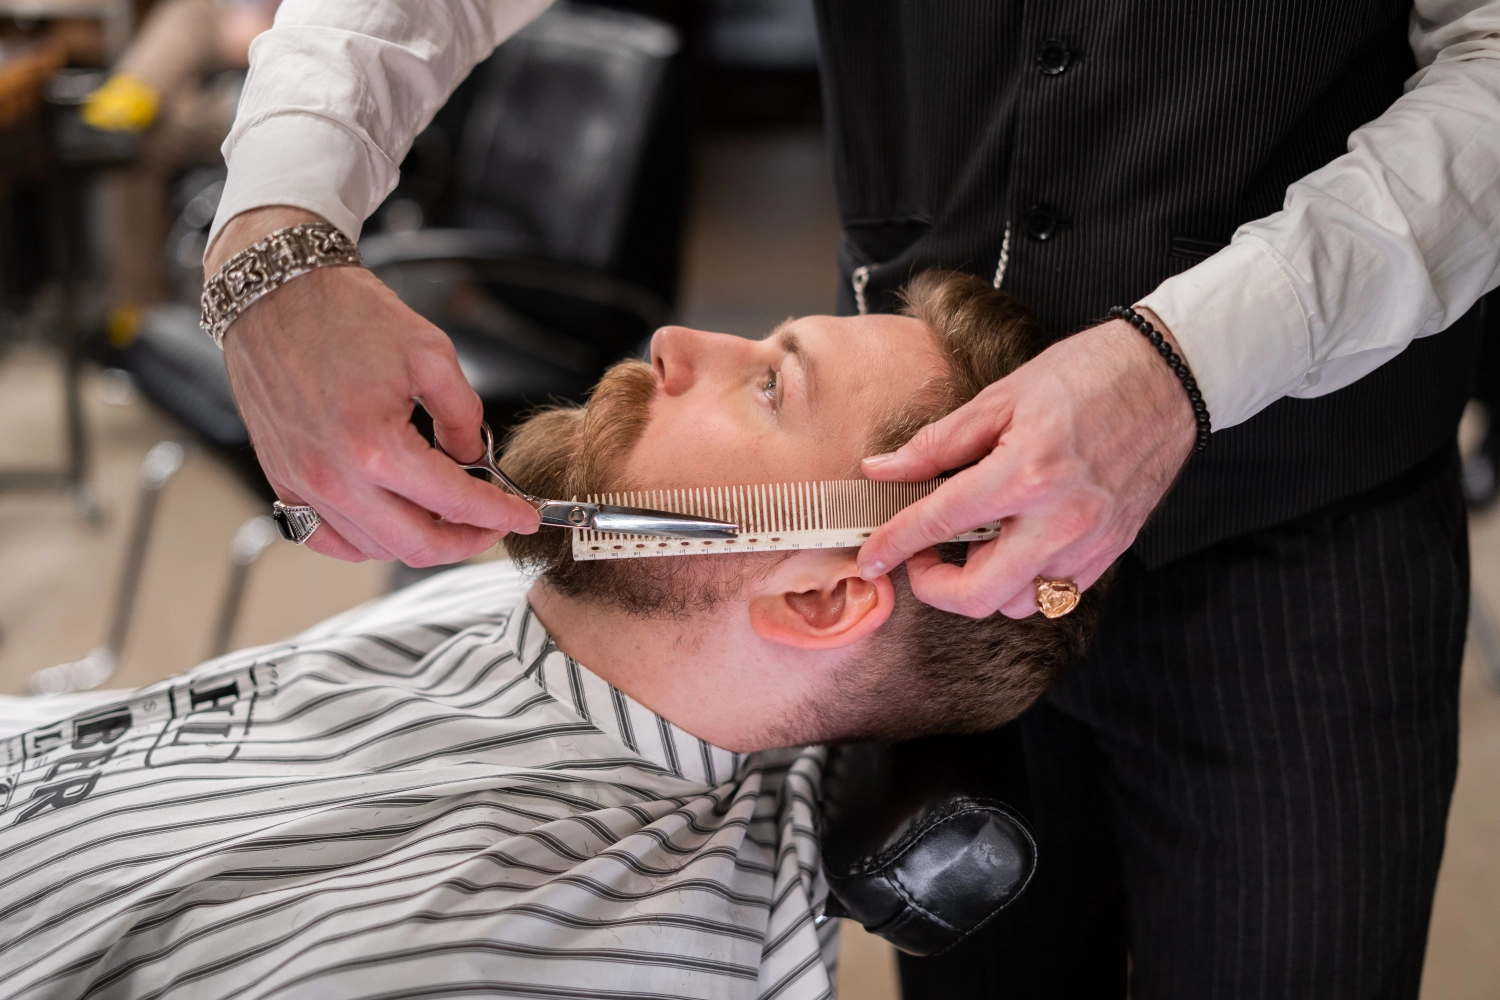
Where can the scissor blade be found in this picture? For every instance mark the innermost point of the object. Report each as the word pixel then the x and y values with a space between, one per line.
pixel 660 523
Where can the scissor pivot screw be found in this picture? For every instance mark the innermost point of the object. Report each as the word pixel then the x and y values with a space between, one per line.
pixel 577 515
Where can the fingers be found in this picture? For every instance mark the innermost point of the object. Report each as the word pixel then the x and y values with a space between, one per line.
pixel 328 542
pixel 448 398
pixel 993 576
pixel 408 532
pixel 976 496
pixel 1001 575
pixel 963 436
pixel 430 480
pixel 1024 602
pixel 1073 451
pixel 325 539
pixel 969 499
pixel 447 517
pixel 335 536
pixel 334 431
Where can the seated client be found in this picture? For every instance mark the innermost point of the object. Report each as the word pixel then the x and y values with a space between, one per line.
pixel 489 786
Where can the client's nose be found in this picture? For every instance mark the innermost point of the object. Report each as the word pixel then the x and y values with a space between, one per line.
pixel 682 355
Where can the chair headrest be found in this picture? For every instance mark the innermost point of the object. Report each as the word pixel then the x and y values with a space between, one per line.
pixel 916 845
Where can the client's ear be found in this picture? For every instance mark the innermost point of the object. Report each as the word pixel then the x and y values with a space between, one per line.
pixel 817 600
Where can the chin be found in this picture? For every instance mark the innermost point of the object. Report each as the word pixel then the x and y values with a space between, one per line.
pixel 738 740
pixel 744 739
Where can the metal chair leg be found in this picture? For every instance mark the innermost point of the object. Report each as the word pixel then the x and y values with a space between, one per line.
pixel 250 541
pixel 161 464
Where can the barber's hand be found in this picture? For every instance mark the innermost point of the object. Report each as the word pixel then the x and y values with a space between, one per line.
pixel 325 370
pixel 1073 451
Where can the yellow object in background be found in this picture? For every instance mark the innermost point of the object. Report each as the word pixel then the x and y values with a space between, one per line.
pixel 124 104
pixel 123 324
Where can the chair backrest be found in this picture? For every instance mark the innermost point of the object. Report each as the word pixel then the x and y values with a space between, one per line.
pixel 552 147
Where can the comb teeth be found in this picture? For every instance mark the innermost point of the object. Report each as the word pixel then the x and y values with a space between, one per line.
pixel 772 517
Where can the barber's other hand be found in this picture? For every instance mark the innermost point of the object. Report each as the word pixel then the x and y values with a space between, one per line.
pixel 1073 451
pixel 325 370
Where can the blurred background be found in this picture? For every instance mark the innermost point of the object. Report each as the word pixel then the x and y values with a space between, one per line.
pixel 611 168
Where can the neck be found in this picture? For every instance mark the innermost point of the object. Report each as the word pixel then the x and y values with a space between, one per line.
pixel 710 675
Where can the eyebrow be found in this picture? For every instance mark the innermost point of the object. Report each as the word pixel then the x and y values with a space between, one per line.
pixel 793 345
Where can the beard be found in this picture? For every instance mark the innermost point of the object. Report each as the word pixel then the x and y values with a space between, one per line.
pixel 567 452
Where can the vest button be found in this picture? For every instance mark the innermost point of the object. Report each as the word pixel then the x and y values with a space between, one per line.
pixel 1054 57
pixel 1040 222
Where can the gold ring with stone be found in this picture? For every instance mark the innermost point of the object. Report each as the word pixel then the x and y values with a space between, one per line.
pixel 1055 598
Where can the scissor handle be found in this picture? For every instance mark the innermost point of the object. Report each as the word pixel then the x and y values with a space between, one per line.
pixel 487 463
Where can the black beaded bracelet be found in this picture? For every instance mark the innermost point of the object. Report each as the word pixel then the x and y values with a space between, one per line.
pixel 1179 368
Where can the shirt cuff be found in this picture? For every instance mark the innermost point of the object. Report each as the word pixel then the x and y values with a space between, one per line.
pixel 306 162
pixel 1241 328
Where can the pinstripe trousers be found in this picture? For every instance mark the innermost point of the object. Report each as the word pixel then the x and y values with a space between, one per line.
pixel 1242 791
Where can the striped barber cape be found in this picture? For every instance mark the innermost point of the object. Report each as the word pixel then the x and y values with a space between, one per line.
pixel 420 798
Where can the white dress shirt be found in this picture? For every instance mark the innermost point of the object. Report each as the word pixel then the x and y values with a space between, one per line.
pixel 421 798
pixel 1396 239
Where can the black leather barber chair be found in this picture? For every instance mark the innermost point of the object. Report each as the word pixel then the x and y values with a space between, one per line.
pixel 566 187
pixel 181 370
pixel 527 331
pixel 568 200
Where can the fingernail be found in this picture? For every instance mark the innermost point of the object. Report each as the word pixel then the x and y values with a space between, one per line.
pixel 875 461
pixel 869 571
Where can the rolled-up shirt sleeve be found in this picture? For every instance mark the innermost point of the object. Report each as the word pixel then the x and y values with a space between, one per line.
pixel 337 91
pixel 1394 240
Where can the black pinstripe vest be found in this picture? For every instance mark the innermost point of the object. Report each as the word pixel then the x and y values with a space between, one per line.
pixel 1122 142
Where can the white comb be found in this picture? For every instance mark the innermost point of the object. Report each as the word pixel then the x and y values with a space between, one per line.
pixel 773 517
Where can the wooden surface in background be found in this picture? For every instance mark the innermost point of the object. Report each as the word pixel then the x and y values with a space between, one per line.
pixel 24 69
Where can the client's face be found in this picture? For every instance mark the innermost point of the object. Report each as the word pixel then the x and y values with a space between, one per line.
pixel 766 649
pixel 801 404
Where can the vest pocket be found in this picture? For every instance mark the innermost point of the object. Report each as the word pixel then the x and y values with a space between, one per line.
pixel 871 242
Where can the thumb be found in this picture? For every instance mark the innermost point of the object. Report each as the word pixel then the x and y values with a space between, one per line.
pixel 452 403
pixel 966 435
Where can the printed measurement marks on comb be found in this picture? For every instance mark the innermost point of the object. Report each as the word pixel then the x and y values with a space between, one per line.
pixel 811 515
pixel 594 545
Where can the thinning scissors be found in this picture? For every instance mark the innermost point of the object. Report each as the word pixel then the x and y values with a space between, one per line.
pixel 601 516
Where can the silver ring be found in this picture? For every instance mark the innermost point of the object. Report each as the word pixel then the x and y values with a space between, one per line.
pixel 295 522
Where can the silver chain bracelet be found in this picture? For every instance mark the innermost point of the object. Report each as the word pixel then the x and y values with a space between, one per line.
pixel 263 267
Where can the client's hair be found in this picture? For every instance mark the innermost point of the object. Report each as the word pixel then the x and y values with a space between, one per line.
pixel 936 671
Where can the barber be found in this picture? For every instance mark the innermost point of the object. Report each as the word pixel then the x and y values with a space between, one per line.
pixel 1245 786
